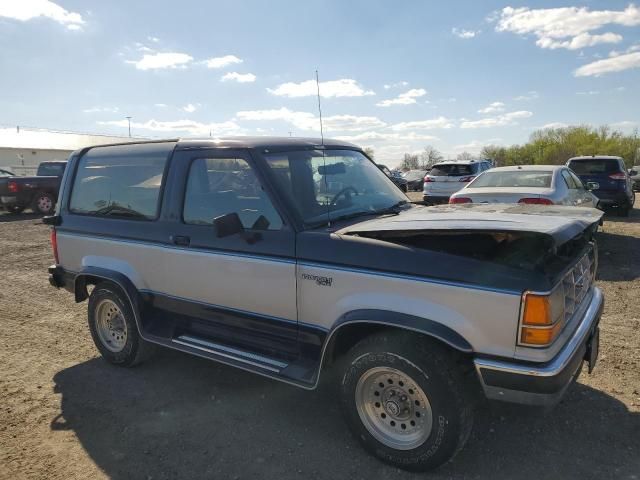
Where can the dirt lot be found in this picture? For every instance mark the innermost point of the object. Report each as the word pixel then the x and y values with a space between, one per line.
pixel 64 413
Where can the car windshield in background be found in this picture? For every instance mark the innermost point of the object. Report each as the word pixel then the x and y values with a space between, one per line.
pixel 50 170
pixel 518 179
pixel 414 175
pixel 342 183
pixel 453 170
pixel 595 166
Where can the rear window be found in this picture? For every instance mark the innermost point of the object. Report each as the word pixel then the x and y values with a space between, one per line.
pixel 595 166
pixel 513 179
pixel 453 169
pixel 120 181
pixel 51 169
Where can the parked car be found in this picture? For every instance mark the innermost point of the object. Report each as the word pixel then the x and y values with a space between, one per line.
pixel 39 193
pixel 5 173
pixel 446 178
pixel 415 179
pixel 530 184
pixel 634 174
pixel 395 177
pixel 225 249
pixel 612 184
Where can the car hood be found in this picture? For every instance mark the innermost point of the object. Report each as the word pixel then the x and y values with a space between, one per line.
pixel 558 222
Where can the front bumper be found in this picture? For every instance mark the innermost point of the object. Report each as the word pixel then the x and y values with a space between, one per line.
pixel 8 200
pixel 612 198
pixel 544 383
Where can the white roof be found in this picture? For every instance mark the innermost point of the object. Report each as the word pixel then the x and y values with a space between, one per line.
pixel 47 140
pixel 458 162
pixel 528 168
pixel 591 157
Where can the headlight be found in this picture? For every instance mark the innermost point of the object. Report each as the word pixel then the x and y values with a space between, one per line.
pixel 542 318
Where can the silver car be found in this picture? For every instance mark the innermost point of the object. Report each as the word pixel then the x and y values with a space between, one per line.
pixel 529 184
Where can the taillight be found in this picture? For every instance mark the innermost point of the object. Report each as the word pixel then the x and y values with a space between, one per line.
pixel 13 187
pixel 428 179
pixel 536 201
pixel 618 176
pixel 467 179
pixel 54 245
pixel 460 200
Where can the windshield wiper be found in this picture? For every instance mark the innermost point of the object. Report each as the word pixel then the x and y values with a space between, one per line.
pixel 119 210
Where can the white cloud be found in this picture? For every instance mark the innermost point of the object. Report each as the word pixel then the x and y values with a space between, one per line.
pixel 345 87
pixel 439 122
pixel 466 34
pixel 494 107
pixel 626 125
pixel 476 145
pixel 395 85
pixel 406 98
pixel 590 92
pixel 238 77
pixel 190 108
pixel 387 136
pixel 221 62
pixel 160 105
pixel 566 27
pixel 497 121
pixel 189 127
pixel 101 110
pixel 25 10
pixel 553 125
pixel 158 61
pixel 616 63
pixel 153 39
pixel 308 121
pixel 530 95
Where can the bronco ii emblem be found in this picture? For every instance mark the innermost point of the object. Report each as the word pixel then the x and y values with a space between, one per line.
pixel 322 281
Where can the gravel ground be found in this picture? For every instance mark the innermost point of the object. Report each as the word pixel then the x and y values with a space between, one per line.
pixel 65 413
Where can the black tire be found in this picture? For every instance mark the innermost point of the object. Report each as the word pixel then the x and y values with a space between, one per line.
pixel 135 349
pixel 15 209
pixel 44 203
pixel 434 370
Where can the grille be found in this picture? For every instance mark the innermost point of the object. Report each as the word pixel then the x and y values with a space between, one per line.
pixel 577 283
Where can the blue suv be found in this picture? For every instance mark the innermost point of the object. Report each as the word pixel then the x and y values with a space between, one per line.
pixel 609 177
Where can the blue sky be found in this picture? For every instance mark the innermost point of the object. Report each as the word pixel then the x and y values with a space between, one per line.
pixel 394 75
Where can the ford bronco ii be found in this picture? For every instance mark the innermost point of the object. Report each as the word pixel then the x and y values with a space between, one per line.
pixel 284 256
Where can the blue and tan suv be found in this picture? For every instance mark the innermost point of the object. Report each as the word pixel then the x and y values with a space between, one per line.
pixel 283 256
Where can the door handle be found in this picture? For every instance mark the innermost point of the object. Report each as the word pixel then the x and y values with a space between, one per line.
pixel 182 240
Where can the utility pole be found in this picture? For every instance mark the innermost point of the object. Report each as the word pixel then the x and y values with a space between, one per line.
pixel 129 120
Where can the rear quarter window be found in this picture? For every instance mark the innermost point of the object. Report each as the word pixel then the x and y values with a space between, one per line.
pixel 120 181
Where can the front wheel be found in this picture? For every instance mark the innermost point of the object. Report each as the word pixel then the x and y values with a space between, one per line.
pixel 406 401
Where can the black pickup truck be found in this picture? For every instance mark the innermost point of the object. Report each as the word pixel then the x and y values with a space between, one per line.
pixel 39 193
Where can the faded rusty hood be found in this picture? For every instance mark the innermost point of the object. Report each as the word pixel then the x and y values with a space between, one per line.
pixel 558 222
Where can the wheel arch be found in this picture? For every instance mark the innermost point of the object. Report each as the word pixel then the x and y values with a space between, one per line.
pixel 356 325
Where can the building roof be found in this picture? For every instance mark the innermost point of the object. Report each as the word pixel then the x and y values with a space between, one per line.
pixel 24 138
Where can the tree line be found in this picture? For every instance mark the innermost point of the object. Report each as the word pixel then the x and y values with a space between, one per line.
pixel 552 146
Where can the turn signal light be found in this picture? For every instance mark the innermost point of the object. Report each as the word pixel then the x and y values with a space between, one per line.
pixel 13 187
pixel 460 200
pixel 537 310
pixel 539 336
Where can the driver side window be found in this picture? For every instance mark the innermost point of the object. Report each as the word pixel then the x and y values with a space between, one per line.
pixel 219 186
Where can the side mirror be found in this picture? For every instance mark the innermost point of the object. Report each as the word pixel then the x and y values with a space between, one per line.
pixel 592 186
pixel 227 225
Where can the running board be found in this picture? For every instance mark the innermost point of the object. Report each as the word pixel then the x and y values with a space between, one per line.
pixel 231 353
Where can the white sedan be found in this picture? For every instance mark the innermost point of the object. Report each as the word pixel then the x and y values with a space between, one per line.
pixel 530 184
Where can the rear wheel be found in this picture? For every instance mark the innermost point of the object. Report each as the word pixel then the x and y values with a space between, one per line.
pixel 44 203
pixel 406 400
pixel 113 327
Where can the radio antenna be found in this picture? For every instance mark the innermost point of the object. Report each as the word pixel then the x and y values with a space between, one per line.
pixel 319 108
pixel 324 159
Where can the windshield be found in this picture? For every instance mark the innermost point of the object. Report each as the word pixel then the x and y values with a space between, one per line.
pixel 517 179
pixel 415 175
pixel 595 166
pixel 342 183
